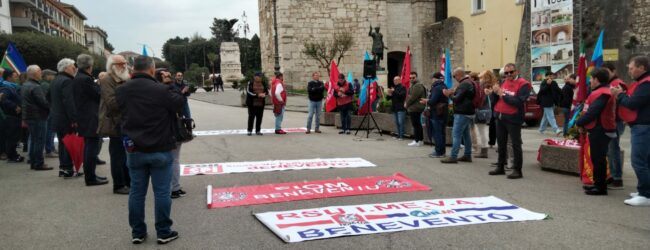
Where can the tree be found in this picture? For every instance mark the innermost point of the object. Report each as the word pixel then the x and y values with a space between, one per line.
pixel 222 30
pixel 195 73
pixel 326 51
pixel 212 58
pixel 175 52
pixel 108 46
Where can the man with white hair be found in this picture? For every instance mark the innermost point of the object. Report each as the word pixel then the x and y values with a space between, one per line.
pixel 35 112
pixel 64 113
pixel 110 119
pixel 86 99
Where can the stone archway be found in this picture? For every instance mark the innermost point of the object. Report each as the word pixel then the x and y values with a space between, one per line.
pixel 395 61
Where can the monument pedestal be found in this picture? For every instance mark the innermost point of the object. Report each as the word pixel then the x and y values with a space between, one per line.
pixel 230 63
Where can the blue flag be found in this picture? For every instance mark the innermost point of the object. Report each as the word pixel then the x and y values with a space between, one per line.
pixel 13 59
pixel 366 57
pixel 144 50
pixel 448 80
pixel 597 57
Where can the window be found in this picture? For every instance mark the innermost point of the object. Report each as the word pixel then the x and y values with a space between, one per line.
pixel 441 10
pixel 478 7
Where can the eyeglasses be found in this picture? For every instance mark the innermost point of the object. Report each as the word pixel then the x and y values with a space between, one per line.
pixel 412 78
pixel 509 72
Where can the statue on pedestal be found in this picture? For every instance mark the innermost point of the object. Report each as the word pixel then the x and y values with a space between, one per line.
pixel 377 46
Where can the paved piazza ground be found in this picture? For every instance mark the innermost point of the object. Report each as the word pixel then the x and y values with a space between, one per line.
pixel 41 211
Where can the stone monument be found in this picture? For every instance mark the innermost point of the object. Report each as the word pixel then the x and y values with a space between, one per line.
pixel 230 62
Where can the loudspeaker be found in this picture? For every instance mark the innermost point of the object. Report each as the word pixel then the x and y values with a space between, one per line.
pixel 369 69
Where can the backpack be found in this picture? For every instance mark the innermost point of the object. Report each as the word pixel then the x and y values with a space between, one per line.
pixel 479 95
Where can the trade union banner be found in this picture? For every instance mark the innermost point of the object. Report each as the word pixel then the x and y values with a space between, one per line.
pixel 243 131
pixel 267 166
pixel 337 221
pixel 295 191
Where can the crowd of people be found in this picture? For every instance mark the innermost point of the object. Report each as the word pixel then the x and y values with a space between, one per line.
pixel 136 108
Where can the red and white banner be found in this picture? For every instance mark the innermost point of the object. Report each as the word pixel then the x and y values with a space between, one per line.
pixel 337 221
pixel 243 131
pixel 267 166
pixel 295 191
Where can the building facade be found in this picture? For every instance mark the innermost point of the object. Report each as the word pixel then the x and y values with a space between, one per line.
pixel 5 17
pixel 95 37
pixel 31 15
pixel 76 23
pixel 59 24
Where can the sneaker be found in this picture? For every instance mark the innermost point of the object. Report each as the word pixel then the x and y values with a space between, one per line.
pixel 638 201
pixel 176 194
pixel 465 158
pixel 138 240
pixel 171 237
pixel 317 131
pixel 308 132
pixel 413 144
pixel 259 133
pixel 16 160
pixel 181 192
pixel 420 143
pixel 635 194
pixel 347 132
pixel 250 133
pixel 435 156
pixel 616 185
pixel 342 132
pixel 449 160
pixel 280 132
pixel 559 132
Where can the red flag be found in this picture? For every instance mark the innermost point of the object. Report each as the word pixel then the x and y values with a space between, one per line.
pixel 330 101
pixel 372 96
pixel 581 93
pixel 406 69
pixel 585 164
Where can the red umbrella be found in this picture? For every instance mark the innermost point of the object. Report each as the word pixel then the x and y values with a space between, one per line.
pixel 75 146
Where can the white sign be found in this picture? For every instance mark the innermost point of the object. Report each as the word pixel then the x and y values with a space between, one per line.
pixel 337 221
pixel 267 166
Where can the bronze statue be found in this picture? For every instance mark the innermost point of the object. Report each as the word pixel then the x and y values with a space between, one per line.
pixel 377 45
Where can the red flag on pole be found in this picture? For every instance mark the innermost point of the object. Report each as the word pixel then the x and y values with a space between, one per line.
pixel 581 93
pixel 406 69
pixel 330 101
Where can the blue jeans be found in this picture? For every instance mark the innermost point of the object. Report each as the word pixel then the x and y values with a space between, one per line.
pixel 278 119
pixel 460 133
pixel 614 152
pixel 439 128
pixel 314 109
pixel 549 116
pixel 49 136
pixel 158 166
pixel 399 122
pixel 186 110
pixel 567 118
pixel 641 157
pixel 37 130
pixel 346 119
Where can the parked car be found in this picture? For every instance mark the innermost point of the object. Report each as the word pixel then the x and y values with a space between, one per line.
pixel 533 111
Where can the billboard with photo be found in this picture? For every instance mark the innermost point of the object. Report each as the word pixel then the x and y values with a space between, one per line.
pixel 551 41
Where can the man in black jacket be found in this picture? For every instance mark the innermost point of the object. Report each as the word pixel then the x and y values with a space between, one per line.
pixel 549 94
pixel 148 113
pixel 63 111
pixel 464 111
pixel 398 95
pixel 567 100
pixel 439 105
pixel 86 100
pixel 315 90
pixel 35 112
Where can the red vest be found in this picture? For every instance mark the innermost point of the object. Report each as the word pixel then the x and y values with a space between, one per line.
pixel 510 88
pixel 343 100
pixel 277 82
pixel 628 115
pixel 618 82
pixel 608 116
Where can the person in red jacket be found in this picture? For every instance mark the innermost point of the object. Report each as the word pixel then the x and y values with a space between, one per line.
pixel 344 96
pixel 599 119
pixel 509 113
pixel 279 95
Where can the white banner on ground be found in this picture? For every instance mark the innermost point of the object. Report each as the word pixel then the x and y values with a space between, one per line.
pixel 337 221
pixel 243 131
pixel 267 166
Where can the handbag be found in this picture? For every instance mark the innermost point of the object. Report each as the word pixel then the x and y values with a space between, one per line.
pixel 484 115
pixel 184 127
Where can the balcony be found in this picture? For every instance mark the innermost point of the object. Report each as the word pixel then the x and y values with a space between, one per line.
pixel 39 6
pixel 27 23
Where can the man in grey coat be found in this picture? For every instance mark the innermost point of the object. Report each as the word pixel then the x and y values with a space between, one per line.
pixel 35 112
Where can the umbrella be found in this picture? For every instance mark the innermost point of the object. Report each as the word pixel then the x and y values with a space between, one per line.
pixel 74 144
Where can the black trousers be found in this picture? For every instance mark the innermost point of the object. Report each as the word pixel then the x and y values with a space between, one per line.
pixel 91 144
pixel 417 126
pixel 493 132
pixel 119 170
pixel 11 134
pixel 255 114
pixel 599 143
pixel 510 130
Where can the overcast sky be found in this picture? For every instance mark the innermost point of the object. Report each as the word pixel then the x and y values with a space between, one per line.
pixel 130 24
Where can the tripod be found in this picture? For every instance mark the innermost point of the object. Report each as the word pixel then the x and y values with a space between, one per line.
pixel 368 116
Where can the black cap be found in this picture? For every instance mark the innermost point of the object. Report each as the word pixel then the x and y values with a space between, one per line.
pixel 437 75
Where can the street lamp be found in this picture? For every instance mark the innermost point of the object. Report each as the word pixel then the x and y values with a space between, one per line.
pixel 275 27
pixel 202 78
